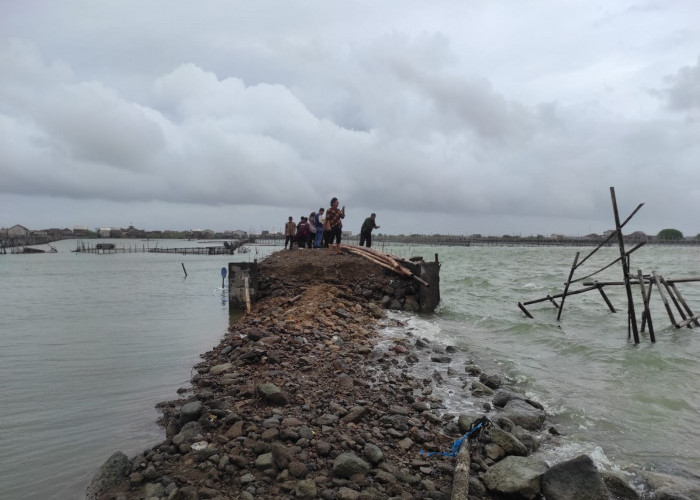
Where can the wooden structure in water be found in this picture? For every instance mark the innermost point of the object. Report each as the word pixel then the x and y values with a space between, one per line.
pixel 666 287
pixel 227 248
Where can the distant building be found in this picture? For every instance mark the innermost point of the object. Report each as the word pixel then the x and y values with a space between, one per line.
pixel 104 232
pixel 17 231
pixel 80 230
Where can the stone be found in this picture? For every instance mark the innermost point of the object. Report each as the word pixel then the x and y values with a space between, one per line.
pixel 479 389
pixel 494 381
pixel 516 476
pixel 523 414
pixel 575 479
pixel 190 412
pixel 348 464
pixel 355 414
pixel 264 461
pixel 116 469
pixel 618 487
pixel 306 489
pixel 272 394
pixel 218 369
pixel 372 453
pixel 510 444
pixel 501 398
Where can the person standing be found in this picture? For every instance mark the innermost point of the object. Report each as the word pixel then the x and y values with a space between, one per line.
pixel 366 230
pixel 290 229
pixel 302 232
pixel 334 219
pixel 318 222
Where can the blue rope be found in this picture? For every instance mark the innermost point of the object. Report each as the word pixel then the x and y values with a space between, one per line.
pixel 455 446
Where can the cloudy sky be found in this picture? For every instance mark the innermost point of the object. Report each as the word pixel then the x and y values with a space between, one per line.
pixel 479 116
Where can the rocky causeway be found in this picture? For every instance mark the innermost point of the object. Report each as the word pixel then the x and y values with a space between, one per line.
pixel 304 399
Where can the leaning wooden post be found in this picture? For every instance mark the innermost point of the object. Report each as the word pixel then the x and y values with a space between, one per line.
pixel 460 477
pixel 683 302
pixel 665 300
pixel 674 299
pixel 566 287
pixel 646 315
pixel 632 318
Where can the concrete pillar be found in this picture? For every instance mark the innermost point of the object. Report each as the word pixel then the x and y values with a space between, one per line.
pixel 429 297
pixel 238 274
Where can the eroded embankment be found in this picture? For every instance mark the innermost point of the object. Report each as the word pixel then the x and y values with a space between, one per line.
pixel 297 401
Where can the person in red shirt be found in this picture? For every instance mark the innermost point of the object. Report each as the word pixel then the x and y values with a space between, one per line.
pixel 334 218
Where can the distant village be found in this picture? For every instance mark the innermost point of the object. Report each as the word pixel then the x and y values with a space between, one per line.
pixel 21 235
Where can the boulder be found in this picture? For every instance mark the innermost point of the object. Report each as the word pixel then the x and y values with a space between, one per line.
pixel 190 412
pixel 523 414
pixel 510 444
pixel 575 479
pixel 116 469
pixel 516 476
pixel 347 465
pixel 272 394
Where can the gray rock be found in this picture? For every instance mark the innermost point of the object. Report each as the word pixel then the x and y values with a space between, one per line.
pixel 502 397
pixel 270 393
pixel 464 421
pixel 372 453
pixel 218 369
pixel 510 444
pixel 306 489
pixel 618 487
pixel 516 476
pixel 669 485
pixel 264 461
pixel 479 389
pixel 575 479
pixel 191 412
pixel 355 414
pixel 523 414
pixel 185 493
pixel 349 464
pixel 116 469
pixel 494 381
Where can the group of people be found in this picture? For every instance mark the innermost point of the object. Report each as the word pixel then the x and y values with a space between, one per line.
pixel 324 229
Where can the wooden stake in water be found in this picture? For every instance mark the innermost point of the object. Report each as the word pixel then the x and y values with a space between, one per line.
pixel 183 268
pixel 223 277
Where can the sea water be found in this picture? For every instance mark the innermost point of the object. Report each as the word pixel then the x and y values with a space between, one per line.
pixel 90 343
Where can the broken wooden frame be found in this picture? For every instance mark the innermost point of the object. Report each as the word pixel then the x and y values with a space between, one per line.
pixel 666 287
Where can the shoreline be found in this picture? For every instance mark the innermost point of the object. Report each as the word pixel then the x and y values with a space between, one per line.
pixel 304 398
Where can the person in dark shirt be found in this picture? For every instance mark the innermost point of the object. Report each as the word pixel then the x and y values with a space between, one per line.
pixel 366 230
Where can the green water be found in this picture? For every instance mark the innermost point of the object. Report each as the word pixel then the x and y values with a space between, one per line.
pixel 90 343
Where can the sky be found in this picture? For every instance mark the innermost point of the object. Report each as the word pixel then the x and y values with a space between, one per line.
pixel 479 116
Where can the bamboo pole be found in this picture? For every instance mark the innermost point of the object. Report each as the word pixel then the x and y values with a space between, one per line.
pixel 632 318
pixel 682 301
pixel 673 298
pixel 566 286
pixel 665 300
pixel 646 315
pixel 460 477
pixel 605 298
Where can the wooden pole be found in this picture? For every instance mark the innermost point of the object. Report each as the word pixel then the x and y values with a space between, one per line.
pixel 665 300
pixel 566 287
pixel 682 301
pixel 605 298
pixel 632 318
pixel 646 315
pixel 183 268
pixel 460 477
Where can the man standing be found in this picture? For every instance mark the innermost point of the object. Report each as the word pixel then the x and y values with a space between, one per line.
pixel 290 229
pixel 366 231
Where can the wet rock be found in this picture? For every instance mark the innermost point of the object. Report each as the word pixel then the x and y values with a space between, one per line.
pixel 618 487
pixel 516 476
pixel 218 369
pixel 523 414
pixel 510 444
pixel 501 398
pixel 116 469
pixel 493 380
pixel 575 479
